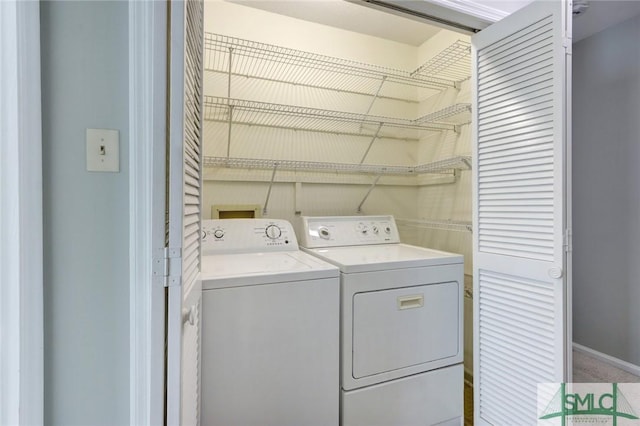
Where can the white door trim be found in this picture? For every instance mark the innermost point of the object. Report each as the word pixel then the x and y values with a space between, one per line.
pixel 147 106
pixel 21 264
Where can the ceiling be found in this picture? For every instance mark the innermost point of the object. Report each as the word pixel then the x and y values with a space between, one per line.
pixel 602 14
pixel 351 17
pixel 365 20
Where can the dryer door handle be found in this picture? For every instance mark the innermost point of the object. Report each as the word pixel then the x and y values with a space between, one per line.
pixel 410 302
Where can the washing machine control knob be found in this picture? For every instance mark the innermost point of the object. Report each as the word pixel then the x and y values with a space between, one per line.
pixel 273 232
pixel 218 233
pixel 375 229
pixel 324 233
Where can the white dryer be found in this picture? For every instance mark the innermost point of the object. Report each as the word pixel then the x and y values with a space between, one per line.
pixel 270 331
pixel 401 322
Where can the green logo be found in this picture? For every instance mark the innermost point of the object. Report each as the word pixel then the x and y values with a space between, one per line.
pixel 565 403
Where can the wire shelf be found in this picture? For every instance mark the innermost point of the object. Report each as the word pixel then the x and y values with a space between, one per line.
pixel 252 59
pixel 447 165
pixel 453 63
pixel 442 166
pixel 253 113
pixel 447 225
pixel 457 114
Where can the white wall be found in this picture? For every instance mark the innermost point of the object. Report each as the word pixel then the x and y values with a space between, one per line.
pixel 86 290
pixel 317 197
pixel 606 191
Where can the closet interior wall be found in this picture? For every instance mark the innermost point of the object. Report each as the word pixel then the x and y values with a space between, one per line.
pixel 413 200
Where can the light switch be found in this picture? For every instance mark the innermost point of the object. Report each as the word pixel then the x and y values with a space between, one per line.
pixel 103 150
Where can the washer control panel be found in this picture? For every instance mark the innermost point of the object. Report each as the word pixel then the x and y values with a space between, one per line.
pixel 336 231
pixel 227 236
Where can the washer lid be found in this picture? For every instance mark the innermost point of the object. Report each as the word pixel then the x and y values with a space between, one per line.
pixel 233 270
pixel 384 257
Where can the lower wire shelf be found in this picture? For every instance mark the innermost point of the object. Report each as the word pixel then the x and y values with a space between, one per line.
pixel 443 166
pixel 447 225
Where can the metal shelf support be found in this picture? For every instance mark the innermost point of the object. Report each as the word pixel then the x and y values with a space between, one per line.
pixel 373 185
pixel 273 177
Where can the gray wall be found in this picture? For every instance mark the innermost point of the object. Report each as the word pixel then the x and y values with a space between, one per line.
pixel 606 192
pixel 86 296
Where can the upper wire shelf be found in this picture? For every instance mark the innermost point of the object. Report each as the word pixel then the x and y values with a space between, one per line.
pixel 442 166
pixel 253 113
pixel 246 58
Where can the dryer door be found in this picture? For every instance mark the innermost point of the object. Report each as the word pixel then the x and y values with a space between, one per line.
pixel 405 327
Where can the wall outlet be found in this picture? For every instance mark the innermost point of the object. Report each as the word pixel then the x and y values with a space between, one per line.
pixel 103 150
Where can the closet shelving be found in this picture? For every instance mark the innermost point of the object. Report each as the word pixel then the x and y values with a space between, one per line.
pixel 444 166
pixel 246 58
pixel 231 58
pixel 253 113
pixel 447 225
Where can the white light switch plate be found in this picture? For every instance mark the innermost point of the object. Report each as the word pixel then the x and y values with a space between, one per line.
pixel 103 150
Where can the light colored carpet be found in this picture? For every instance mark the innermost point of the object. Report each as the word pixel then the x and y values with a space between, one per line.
pixel 587 369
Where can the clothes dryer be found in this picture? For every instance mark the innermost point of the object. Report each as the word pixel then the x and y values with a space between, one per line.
pixel 401 321
pixel 270 331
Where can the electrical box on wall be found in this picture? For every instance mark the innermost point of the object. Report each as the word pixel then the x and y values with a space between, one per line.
pixel 103 150
pixel 235 211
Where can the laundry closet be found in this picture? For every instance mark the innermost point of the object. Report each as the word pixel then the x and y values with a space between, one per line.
pixel 306 119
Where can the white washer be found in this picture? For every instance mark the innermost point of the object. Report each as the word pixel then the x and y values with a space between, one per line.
pixel 270 331
pixel 401 321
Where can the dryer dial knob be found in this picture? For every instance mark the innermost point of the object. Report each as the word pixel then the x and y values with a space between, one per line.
pixel 218 233
pixel 273 232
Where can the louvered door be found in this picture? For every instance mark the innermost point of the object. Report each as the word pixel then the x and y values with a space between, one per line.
pixel 521 204
pixel 184 219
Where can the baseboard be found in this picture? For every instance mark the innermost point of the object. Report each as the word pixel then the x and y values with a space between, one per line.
pixel 616 362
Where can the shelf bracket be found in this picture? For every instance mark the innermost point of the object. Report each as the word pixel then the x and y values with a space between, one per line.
pixel 273 177
pixel 375 97
pixel 229 131
pixel 373 185
pixel 229 73
pixel 372 141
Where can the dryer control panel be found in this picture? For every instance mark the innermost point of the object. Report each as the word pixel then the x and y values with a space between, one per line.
pixel 228 236
pixel 338 231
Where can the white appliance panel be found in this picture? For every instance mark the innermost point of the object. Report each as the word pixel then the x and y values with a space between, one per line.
pixel 270 355
pixel 336 231
pixel 225 236
pixel 404 327
pixel 230 270
pixel 382 257
pixel 385 282
pixel 430 398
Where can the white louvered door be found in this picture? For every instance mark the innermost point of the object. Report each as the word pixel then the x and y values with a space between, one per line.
pixel 521 205
pixel 184 218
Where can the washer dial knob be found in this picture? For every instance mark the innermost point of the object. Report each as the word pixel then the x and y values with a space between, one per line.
pixel 323 231
pixel 218 233
pixel 273 232
pixel 375 229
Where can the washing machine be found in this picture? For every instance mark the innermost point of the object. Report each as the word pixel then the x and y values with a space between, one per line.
pixel 270 328
pixel 401 321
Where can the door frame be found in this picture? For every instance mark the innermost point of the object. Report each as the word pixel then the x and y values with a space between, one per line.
pixel 147 118
pixel 21 258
